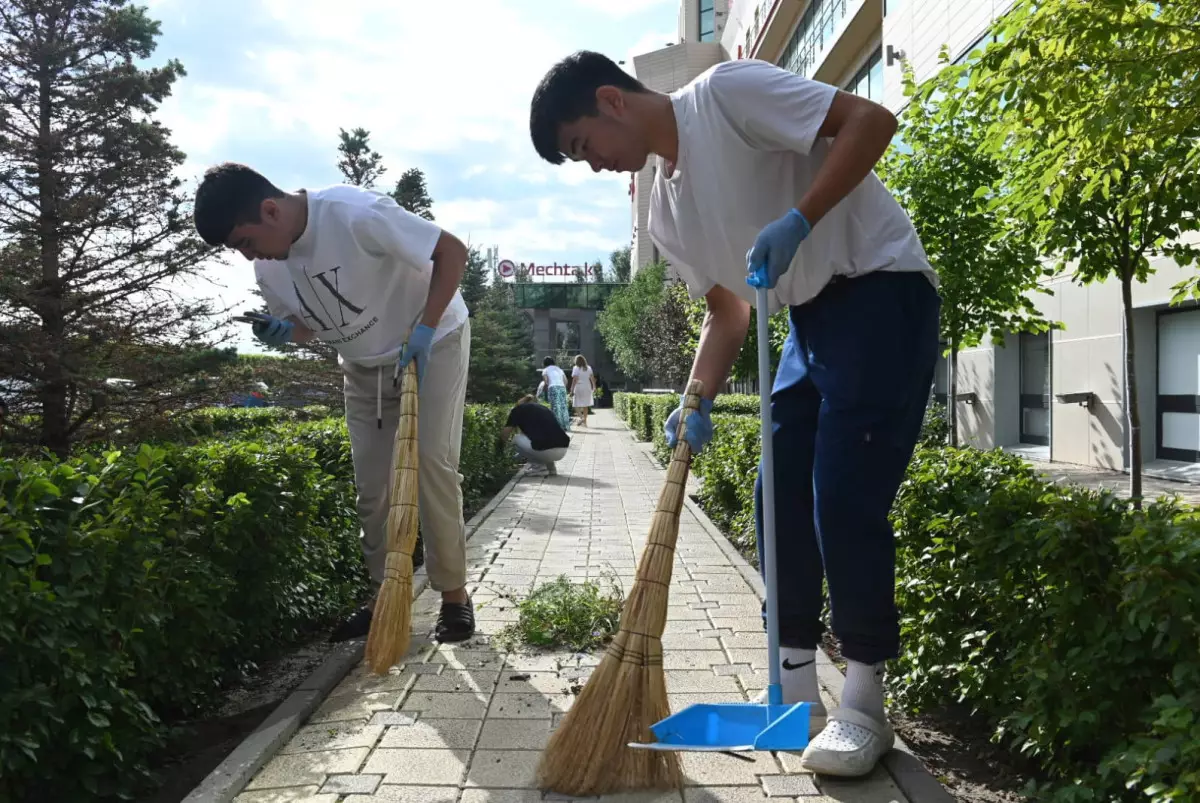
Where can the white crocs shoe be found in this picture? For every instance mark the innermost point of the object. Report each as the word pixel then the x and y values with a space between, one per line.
pixel 850 746
pixel 816 714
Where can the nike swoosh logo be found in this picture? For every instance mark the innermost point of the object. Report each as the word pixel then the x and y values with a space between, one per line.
pixel 790 666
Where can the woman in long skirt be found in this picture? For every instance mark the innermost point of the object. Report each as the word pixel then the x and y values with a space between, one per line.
pixel 556 392
pixel 583 384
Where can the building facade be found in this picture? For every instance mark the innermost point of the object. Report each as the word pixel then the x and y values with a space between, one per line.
pixel 563 315
pixel 1059 396
pixel 698 47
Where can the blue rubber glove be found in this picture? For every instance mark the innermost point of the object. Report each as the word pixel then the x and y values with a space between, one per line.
pixel 418 346
pixel 269 329
pixel 774 249
pixel 699 426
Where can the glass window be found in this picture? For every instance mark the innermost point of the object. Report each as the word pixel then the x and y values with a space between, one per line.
pixel 814 33
pixel 707 27
pixel 868 81
pixel 891 5
pixel 875 70
pixel 566 335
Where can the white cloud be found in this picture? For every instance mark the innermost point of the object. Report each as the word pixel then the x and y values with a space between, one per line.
pixel 442 86
pixel 623 8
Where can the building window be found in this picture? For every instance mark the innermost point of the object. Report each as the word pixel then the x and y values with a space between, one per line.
pixel 891 5
pixel 566 335
pixel 868 81
pixel 814 33
pixel 708 29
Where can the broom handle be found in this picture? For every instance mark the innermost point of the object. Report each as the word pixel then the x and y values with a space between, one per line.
pixel 774 690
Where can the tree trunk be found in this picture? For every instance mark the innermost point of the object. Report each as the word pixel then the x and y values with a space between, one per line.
pixel 1131 392
pixel 54 385
pixel 952 392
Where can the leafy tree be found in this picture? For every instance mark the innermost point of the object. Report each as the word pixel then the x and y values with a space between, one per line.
pixel 361 165
pixel 1102 139
pixel 954 192
pixel 412 194
pixel 580 276
pixel 619 323
pixel 95 231
pixel 621 265
pixel 474 284
pixel 666 337
pixel 501 363
pixel 598 272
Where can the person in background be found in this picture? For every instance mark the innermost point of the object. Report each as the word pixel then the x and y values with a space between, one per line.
pixel 539 438
pixel 583 383
pixel 556 392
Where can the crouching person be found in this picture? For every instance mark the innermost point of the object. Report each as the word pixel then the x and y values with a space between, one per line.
pixel 539 438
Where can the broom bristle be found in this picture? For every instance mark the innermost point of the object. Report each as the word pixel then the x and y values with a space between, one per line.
pixel 588 754
pixel 391 623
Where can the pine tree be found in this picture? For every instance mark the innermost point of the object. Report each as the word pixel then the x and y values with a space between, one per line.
pixel 501 365
pixel 474 284
pixel 412 194
pixel 97 230
pixel 361 165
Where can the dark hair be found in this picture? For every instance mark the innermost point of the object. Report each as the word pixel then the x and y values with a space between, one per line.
pixel 230 195
pixel 546 363
pixel 568 92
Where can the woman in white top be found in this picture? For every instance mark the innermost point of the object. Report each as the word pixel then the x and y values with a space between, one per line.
pixel 583 383
pixel 556 392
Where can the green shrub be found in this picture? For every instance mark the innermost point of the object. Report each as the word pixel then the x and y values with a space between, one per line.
pixel 134 585
pixel 935 429
pixel 621 405
pixel 1064 619
pixel 727 469
pixel 736 404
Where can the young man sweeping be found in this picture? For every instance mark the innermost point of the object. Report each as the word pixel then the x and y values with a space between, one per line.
pixel 379 284
pixel 763 175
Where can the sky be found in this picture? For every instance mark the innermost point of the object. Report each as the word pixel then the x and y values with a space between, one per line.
pixel 443 86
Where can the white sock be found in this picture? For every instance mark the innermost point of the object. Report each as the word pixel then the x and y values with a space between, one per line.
pixel 863 691
pixel 798 675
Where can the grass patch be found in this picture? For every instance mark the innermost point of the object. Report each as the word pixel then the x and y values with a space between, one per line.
pixel 561 614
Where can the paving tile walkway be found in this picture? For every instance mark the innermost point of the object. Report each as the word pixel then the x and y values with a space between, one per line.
pixel 466 723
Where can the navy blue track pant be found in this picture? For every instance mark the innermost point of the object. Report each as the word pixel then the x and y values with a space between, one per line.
pixel 847 405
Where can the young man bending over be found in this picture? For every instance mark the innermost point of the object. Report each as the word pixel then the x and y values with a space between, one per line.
pixel 539 438
pixel 762 174
pixel 380 285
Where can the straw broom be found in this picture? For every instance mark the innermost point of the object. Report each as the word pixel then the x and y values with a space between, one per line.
pixel 389 637
pixel 627 693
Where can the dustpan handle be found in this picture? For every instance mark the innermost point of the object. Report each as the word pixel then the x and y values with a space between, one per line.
pixel 774 690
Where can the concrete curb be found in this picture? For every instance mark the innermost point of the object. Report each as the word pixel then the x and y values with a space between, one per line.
pixel 905 769
pixel 232 775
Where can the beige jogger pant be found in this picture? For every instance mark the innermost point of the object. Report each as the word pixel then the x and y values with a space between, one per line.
pixel 439 433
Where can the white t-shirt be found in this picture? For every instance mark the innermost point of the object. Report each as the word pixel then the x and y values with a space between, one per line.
pixel 554 376
pixel 359 275
pixel 583 374
pixel 748 151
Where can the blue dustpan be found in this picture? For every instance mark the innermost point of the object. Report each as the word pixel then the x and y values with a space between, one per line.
pixel 739 727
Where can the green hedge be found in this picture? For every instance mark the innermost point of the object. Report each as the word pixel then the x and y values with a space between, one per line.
pixel 1066 620
pixel 134 585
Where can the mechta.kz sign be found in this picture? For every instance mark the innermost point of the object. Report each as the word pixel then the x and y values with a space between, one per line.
pixel 508 269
